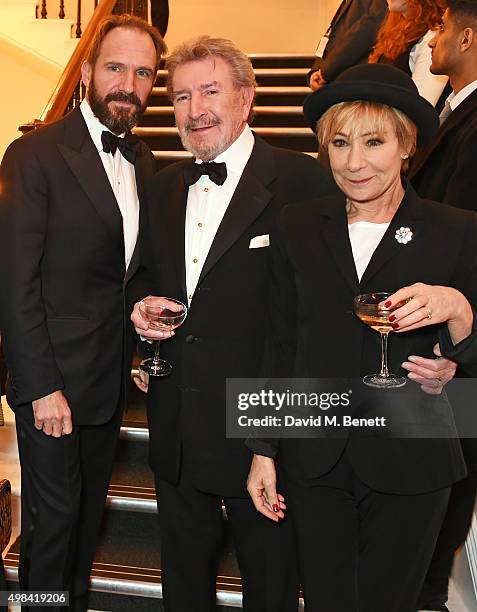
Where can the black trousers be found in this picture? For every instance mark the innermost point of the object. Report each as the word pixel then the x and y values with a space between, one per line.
pixel 360 549
pixel 191 544
pixel 452 536
pixel 64 487
pixel 160 15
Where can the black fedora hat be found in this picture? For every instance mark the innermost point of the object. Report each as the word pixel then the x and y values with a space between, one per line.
pixel 375 83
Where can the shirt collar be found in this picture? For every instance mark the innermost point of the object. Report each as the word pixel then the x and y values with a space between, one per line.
pixel 238 154
pixel 94 125
pixel 457 98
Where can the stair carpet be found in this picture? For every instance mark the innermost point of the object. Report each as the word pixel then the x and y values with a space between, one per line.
pixel 126 572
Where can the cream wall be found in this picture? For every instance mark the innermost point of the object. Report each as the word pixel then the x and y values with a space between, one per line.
pixel 257 26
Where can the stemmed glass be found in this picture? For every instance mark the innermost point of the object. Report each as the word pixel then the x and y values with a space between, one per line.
pixel 370 309
pixel 159 317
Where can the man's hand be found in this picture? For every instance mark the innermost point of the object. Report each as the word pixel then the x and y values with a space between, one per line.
pixel 53 415
pixel 141 325
pixel 141 380
pixel 261 485
pixel 431 374
pixel 316 80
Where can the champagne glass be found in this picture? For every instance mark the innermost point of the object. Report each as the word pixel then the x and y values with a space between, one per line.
pixel 159 317
pixel 369 309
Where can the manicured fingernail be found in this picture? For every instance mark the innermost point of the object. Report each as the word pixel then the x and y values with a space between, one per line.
pixel 395 325
pixel 275 508
pixel 388 303
pixel 392 318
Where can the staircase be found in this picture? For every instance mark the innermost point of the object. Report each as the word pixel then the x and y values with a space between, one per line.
pixel 127 571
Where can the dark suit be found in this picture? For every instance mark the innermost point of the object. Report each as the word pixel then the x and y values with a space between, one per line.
pixel 314 282
pixel 445 172
pixel 352 34
pixel 223 336
pixel 62 280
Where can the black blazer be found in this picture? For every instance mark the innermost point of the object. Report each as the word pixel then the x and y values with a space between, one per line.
pixel 314 282
pixel 445 170
pixel 224 332
pixel 62 271
pixel 352 35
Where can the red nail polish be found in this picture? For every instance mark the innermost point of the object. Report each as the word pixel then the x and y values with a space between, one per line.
pixel 388 303
pixel 275 508
pixel 392 318
pixel 395 325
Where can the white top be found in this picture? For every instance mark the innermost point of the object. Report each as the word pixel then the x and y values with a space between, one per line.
pixel 122 176
pixel 365 237
pixel 429 85
pixel 207 204
pixel 455 99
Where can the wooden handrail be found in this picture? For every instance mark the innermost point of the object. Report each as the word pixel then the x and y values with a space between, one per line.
pixel 56 106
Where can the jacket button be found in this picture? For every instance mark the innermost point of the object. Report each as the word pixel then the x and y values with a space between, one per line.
pixel 190 339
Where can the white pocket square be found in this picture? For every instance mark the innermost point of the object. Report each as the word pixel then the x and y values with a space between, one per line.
pixel 259 242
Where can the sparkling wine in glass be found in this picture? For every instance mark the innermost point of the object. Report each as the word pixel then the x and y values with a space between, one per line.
pixel 159 317
pixel 369 308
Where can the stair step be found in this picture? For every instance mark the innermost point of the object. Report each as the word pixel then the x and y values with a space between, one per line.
pixel 263 76
pixel 264 116
pixel 266 95
pixel 132 499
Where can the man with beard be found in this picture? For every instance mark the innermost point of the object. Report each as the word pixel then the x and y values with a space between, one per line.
pixel 204 236
pixel 69 215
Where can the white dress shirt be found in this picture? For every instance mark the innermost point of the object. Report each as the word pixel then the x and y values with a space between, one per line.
pixel 455 99
pixel 122 176
pixel 207 204
pixel 429 85
pixel 365 238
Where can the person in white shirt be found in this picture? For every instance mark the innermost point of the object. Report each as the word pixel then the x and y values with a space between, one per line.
pixel 403 41
pixel 445 171
pixel 69 214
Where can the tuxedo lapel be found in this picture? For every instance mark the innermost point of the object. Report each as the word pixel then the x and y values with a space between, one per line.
pixel 142 171
pixel 83 159
pixel 250 198
pixel 335 235
pixel 408 216
pixel 172 229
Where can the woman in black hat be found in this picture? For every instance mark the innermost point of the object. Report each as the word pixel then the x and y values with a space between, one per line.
pixel 367 503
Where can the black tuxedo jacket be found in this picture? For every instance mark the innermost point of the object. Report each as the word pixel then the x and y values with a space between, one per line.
pixel 62 271
pixel 445 170
pixel 314 282
pixel 224 332
pixel 352 35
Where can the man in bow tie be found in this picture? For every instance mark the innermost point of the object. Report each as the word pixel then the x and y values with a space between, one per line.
pixel 204 238
pixel 69 216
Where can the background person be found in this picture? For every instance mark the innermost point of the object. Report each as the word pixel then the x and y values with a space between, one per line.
pixel 343 493
pixel 348 40
pixel 445 171
pixel 403 40
pixel 69 215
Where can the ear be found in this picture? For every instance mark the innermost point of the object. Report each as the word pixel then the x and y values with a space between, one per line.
pixel 248 94
pixel 466 39
pixel 86 73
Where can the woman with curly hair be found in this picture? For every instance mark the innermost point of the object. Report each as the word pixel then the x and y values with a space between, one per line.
pixel 403 41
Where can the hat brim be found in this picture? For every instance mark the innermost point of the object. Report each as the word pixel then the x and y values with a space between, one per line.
pixel 417 108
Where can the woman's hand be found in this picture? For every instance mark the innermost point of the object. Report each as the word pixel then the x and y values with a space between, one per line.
pixel 431 374
pixel 430 304
pixel 262 488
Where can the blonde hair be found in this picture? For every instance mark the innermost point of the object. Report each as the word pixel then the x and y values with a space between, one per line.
pixel 370 116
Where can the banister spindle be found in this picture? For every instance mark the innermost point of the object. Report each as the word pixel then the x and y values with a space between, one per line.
pixel 78 21
pixel 43 9
pixel 61 14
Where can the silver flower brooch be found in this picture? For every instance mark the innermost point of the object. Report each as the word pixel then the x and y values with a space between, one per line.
pixel 403 235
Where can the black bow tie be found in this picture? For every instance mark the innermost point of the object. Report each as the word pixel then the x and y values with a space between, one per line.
pixel 217 172
pixel 128 146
